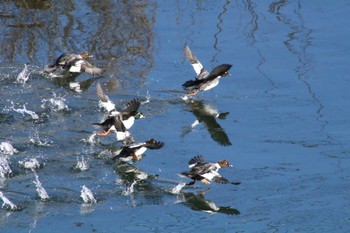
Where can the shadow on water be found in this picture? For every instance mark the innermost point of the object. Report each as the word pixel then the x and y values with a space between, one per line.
pixel 198 202
pixel 207 115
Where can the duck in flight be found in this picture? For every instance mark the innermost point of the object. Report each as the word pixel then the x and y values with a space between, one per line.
pixel 205 80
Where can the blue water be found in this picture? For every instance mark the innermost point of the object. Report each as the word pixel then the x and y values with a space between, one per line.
pixel 287 98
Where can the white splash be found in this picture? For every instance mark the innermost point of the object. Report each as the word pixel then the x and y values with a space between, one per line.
pixel 32 163
pixel 5 169
pixel 23 111
pixel 23 76
pixel 7 202
pixel 36 140
pixel 148 98
pixel 178 188
pixel 87 195
pixel 56 103
pixel 6 148
pixel 92 139
pixel 82 164
pixel 39 187
pixel 129 190
pixel 185 98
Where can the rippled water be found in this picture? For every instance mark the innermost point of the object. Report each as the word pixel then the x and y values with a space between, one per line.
pixel 286 132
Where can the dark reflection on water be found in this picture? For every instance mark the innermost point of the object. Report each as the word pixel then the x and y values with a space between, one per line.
pixel 199 203
pixel 207 115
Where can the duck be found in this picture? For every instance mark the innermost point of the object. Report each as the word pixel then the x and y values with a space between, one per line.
pixel 72 63
pixel 205 171
pixel 135 150
pixel 113 123
pixel 204 80
pixel 128 115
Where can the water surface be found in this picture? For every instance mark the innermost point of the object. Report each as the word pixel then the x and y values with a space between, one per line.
pixel 286 131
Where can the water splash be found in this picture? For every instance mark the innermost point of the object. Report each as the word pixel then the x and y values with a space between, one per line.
pixel 92 139
pixel 185 98
pixel 36 140
pixel 56 103
pixel 148 98
pixel 82 164
pixel 5 169
pixel 129 190
pixel 7 203
pixel 22 111
pixel 39 187
pixel 32 163
pixel 87 195
pixel 23 76
pixel 178 188
pixel 6 148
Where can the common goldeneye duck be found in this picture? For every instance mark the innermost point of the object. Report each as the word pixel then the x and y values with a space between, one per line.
pixel 129 114
pixel 135 150
pixel 113 123
pixel 204 80
pixel 73 63
pixel 205 171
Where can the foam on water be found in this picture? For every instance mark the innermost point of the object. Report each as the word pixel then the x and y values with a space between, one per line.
pixel 32 163
pixel 36 140
pixel 5 169
pixel 6 148
pixel 22 111
pixel 39 187
pixel 87 195
pixel 56 103
pixel 7 203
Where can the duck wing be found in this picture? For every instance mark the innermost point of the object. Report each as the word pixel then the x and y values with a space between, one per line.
pixel 153 144
pixel 100 93
pixel 218 71
pixel 196 64
pixel 87 67
pixel 196 160
pixel 220 180
pixel 131 107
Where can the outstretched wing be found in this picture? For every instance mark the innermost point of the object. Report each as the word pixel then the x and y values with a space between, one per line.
pixel 220 180
pixel 196 64
pixel 131 107
pixel 196 160
pixel 219 71
pixel 103 97
pixel 154 144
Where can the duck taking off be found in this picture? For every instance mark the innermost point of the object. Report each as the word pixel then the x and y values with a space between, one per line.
pixel 204 80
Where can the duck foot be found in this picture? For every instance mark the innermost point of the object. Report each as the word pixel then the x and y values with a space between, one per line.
pixel 205 181
pixel 104 133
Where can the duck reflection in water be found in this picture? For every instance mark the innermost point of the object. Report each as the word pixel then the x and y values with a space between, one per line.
pixel 199 203
pixel 207 115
